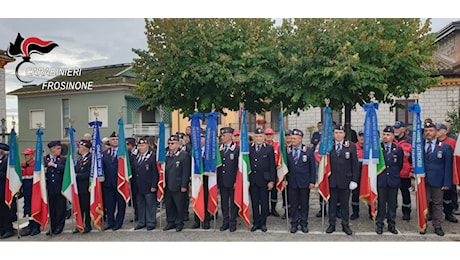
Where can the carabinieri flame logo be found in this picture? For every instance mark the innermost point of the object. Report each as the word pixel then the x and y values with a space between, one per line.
pixel 25 48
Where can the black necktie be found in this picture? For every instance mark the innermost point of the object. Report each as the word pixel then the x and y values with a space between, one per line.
pixel 296 155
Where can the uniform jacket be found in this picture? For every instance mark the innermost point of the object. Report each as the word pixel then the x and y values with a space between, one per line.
pixel 110 166
pixel 302 174
pixel 406 144
pixel 3 167
pixel 344 167
pixel 438 166
pixel 83 171
pixel 263 168
pixel 390 177
pixel 276 150
pixel 226 174
pixel 177 170
pixel 27 170
pixel 146 172
pixel 54 175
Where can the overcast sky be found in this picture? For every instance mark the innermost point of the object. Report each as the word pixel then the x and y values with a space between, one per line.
pixel 85 43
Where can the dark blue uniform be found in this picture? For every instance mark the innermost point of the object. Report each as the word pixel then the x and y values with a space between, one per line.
pixel 82 172
pixel 146 172
pixel 112 198
pixel 57 202
pixel 301 173
pixel 263 171
pixel 388 183
pixel 6 226
pixel 226 178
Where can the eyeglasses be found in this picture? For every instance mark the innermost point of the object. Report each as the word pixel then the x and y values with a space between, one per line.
pixel 170 143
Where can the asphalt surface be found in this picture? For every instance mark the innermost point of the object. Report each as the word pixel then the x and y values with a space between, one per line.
pixel 363 230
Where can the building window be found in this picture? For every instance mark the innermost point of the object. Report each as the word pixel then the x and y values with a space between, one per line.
pixel 102 116
pixel 402 114
pixel 36 117
pixel 65 118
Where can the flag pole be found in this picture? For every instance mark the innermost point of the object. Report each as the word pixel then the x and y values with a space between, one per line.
pixel 71 121
pixel 162 112
pixel 217 151
pixel 128 181
pixel 285 188
pixel 327 101
pixel 374 217
pixel 416 184
pixel 16 195
pixel 47 198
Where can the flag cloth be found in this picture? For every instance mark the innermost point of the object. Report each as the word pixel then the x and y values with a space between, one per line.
pixel 69 183
pixel 242 176
pixel 13 172
pixel 197 167
pixel 325 146
pixel 161 161
pixel 418 167
pixel 124 169
pixel 373 162
pixel 212 160
pixel 39 207
pixel 282 169
pixel 96 176
pixel 456 178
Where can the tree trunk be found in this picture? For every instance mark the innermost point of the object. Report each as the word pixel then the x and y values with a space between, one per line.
pixel 348 121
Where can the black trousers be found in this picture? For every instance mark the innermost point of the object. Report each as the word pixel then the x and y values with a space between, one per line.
pixel 175 201
pixel 273 198
pixel 114 201
pixel 259 203
pixel 6 224
pixel 406 203
pixel 448 200
pixel 84 200
pixel 228 206
pixel 299 199
pixel 386 206
pixel 342 196
pixel 57 208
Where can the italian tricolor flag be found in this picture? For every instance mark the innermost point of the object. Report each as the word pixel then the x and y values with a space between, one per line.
pixel 39 203
pixel 124 169
pixel 13 172
pixel 368 190
pixel 212 185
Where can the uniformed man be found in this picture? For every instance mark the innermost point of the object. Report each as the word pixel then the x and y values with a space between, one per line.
pixel 343 178
pixel 113 201
pixel 287 142
pixel 177 178
pixel 388 182
pixel 226 178
pixel 316 136
pixel 207 216
pixel 132 152
pixel 185 142
pixel 82 173
pixel 262 179
pixel 146 172
pixel 27 171
pixel 405 142
pixel 438 157
pixel 6 223
pixel 54 171
pixel 273 193
pixel 450 195
pixel 301 177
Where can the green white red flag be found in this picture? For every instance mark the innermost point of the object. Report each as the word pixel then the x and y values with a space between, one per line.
pixel 242 176
pixel 281 166
pixel 124 169
pixel 39 203
pixel 13 172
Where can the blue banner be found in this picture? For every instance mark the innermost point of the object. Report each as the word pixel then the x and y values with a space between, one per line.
pixel 121 139
pixel 210 151
pixel 244 134
pixel 161 144
pixel 38 151
pixel 196 141
pixel 14 151
pixel 417 140
pixel 96 151
pixel 371 133
pixel 326 140
pixel 72 142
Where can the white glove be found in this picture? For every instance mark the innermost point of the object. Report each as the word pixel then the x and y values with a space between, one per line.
pixel 353 185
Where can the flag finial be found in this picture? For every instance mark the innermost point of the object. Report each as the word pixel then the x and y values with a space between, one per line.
pixel 372 96
pixel 213 108
pixel 71 121
pixel 327 101
pixel 416 98
pixel 120 113
pixel 14 122
pixel 39 124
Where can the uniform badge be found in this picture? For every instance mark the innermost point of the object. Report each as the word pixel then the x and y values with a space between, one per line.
pixel 304 158
pixel 395 158
pixel 232 156
pixel 177 164
pixel 347 155
pixel 439 154
pixel 147 167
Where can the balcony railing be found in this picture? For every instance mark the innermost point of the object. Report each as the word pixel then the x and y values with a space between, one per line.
pixel 146 129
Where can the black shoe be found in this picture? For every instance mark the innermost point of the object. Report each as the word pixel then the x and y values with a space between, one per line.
pixel 274 213
pixel 206 225
pixel 57 231
pixel 35 232
pixel 108 227
pixel 151 227
pixel 284 216
pixel 320 213
pixel 263 228
pixel 354 216
pixel 393 230
pixel 232 229
pixel 196 225
pixel 115 228
pixel 224 227
pixel 293 229
pixel 254 228
pixel 406 217
pixel 75 231
pixel 429 218
pixel 7 234
pixel 139 227
pixel 451 218
pixel 179 228
pixel 304 229
pixel 347 229
pixel 439 232
pixel 169 227
pixel 87 230
pixel 186 218
pixel 68 214
pixel 48 233
pixel 330 229
pixel 379 230
pixel 27 233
